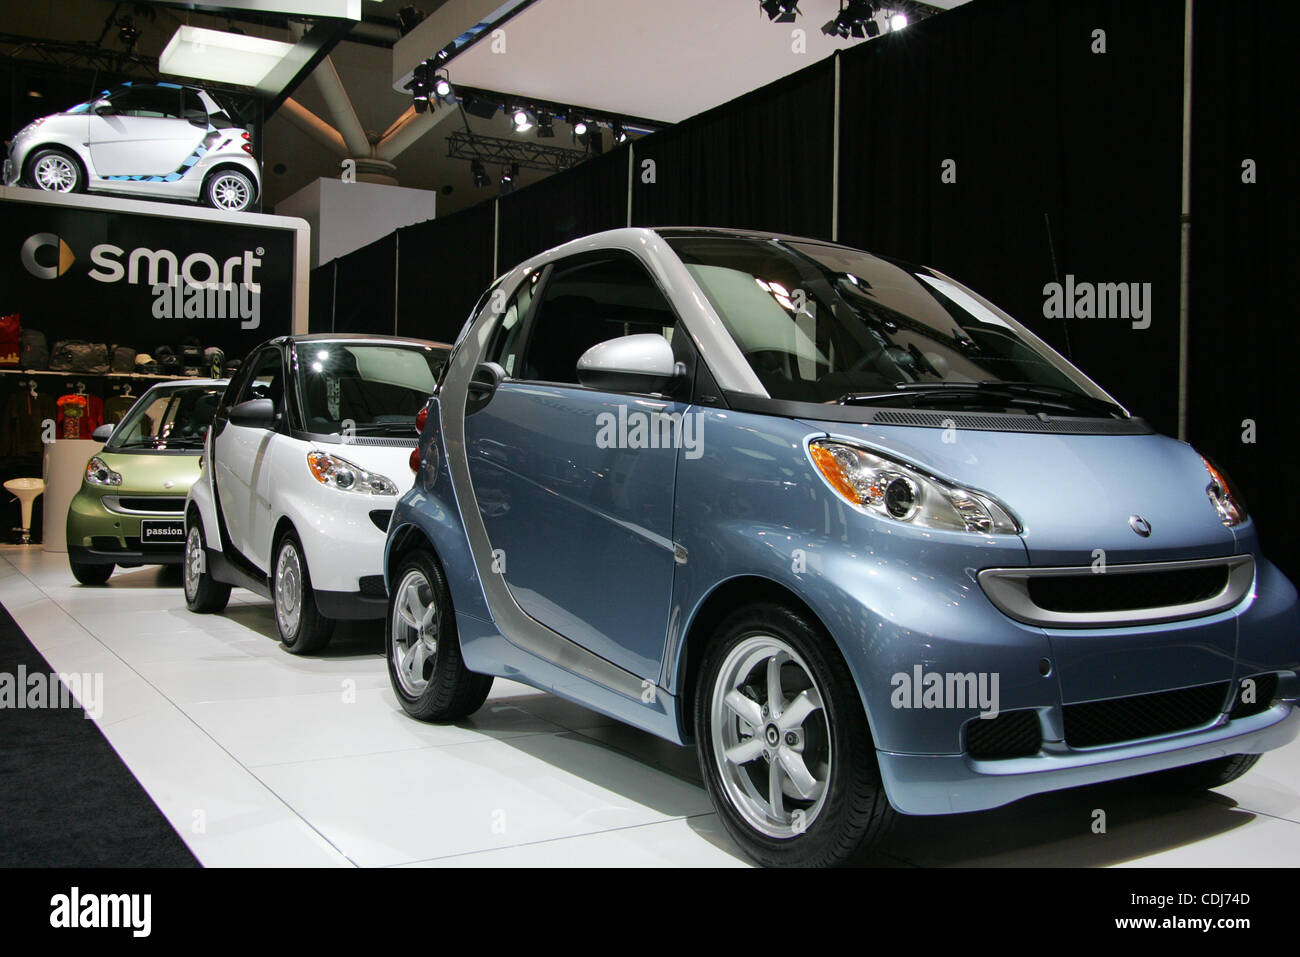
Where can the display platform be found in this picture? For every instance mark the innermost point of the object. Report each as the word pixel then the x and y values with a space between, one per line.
pixel 258 757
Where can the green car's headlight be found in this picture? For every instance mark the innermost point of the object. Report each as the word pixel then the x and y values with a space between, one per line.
pixel 99 473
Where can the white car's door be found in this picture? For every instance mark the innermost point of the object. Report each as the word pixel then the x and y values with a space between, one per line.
pixel 242 458
pixel 145 134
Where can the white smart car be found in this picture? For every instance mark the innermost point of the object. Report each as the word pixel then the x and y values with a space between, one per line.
pixel 151 140
pixel 306 457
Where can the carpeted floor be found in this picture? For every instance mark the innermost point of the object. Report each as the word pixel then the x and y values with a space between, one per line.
pixel 66 798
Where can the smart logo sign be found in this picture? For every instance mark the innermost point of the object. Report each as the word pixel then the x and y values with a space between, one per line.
pixel 145 280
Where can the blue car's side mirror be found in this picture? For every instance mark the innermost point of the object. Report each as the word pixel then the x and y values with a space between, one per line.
pixel 639 363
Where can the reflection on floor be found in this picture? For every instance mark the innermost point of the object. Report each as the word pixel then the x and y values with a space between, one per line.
pixel 260 757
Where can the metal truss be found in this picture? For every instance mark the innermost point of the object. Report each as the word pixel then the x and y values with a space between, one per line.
pixel 81 53
pixel 501 151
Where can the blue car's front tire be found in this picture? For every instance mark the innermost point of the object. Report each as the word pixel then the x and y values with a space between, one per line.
pixel 784 744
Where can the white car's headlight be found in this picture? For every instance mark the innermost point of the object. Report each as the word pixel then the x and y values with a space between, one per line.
pixel 98 473
pixel 341 474
pixel 881 486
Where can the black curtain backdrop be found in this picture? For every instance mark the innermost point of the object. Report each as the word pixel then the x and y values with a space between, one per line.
pixel 586 199
pixel 444 266
pixel 1245 249
pixel 320 308
pixel 365 288
pixel 1041 131
pixel 762 161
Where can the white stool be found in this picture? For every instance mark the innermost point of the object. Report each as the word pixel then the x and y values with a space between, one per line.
pixel 26 490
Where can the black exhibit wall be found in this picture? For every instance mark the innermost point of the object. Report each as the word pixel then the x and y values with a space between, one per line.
pixel 578 202
pixel 365 288
pixel 762 161
pixel 443 267
pixel 995 145
pixel 1245 216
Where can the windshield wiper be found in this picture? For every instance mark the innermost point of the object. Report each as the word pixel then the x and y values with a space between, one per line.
pixel 387 428
pixel 1014 393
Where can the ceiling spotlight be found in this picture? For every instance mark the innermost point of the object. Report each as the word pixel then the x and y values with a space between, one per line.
pixel 522 121
pixel 420 103
pixel 596 140
pixel 620 134
pixel 580 128
pixel 408 18
pixel 480 174
pixel 780 11
pixel 127 34
pixel 481 107
pixel 442 87
pixel 510 173
pixel 898 21
pixel 545 126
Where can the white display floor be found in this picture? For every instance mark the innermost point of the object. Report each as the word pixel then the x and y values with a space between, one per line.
pixel 258 757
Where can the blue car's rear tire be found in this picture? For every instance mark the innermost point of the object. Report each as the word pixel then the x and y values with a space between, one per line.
pixel 425 666
pixel 784 744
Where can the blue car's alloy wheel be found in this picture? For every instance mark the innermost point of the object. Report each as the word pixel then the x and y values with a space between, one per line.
pixel 785 748
pixel 425 666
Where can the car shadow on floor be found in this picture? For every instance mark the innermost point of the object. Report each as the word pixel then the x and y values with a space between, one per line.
pixel 352 639
pixel 1058 829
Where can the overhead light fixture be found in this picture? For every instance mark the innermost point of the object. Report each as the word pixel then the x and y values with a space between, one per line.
pixel 480 106
pixel 780 11
pixel 596 140
pixel 898 21
pixel 545 126
pixel 620 134
pixel 221 57
pixel 580 127
pixel 127 34
pixel 521 121
pixel 442 87
pixel 479 172
pixel 408 18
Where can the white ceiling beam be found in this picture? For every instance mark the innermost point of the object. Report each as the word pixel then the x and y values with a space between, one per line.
pixel 315 127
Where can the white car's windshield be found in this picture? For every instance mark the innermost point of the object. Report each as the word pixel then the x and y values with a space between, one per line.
pixel 822 323
pixel 364 388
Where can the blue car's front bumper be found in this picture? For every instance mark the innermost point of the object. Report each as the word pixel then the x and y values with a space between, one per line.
pixel 951 783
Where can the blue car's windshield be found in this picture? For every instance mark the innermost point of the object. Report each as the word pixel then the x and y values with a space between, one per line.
pixel 822 323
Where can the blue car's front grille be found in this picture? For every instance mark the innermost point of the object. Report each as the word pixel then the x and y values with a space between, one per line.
pixel 1265 690
pixel 1098 723
pixel 1012 734
pixel 1118 590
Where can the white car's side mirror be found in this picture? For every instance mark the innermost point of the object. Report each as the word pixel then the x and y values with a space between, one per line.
pixel 640 363
pixel 103 106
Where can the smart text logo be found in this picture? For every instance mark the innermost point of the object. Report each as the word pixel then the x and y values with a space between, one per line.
pixel 112 263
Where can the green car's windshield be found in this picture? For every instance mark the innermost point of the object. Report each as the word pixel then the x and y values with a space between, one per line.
pixel 823 323
pixel 364 388
pixel 170 419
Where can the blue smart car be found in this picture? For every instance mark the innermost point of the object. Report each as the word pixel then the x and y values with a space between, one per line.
pixel 863 538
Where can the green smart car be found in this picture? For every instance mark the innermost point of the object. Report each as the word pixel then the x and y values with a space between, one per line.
pixel 131 507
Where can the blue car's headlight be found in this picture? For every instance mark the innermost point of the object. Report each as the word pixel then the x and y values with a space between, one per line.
pixel 880 486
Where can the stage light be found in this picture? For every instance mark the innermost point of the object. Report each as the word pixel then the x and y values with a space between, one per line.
pixel 442 87
pixel 780 11
pixel 580 127
pixel 408 18
pixel 478 106
pixel 480 174
pixel 522 121
pixel 545 126
pixel 620 134
pixel 898 21
pixel 420 103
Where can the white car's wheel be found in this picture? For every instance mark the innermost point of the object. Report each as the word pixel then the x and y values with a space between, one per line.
pixel 229 189
pixel 56 172
pixel 303 629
